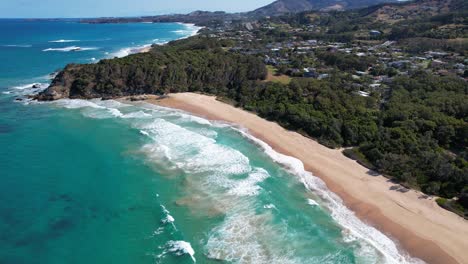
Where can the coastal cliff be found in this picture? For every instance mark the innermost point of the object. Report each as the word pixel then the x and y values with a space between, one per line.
pixel 196 64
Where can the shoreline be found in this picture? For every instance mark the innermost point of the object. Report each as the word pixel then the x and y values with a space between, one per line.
pixel 189 27
pixel 147 47
pixel 416 223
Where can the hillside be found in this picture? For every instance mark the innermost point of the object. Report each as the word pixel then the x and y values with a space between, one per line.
pixel 295 6
pixel 421 9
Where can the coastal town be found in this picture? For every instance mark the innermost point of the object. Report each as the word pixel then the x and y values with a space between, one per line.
pixel 373 61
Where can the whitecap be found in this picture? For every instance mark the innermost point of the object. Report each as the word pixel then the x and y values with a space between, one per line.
pixel 269 206
pixel 190 30
pixel 139 114
pixel 312 202
pixel 249 186
pixel 207 155
pixel 180 248
pixel 196 119
pixel 115 112
pixel 17 46
pixel 240 239
pixel 169 219
pixel 158 231
pixel 70 49
pixel 64 40
pixel 28 89
pixel 129 50
pixel 77 103
pixel 30 86
pixel 110 103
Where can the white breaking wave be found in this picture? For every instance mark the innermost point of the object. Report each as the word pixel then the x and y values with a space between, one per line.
pixel 129 50
pixel 180 248
pixel 249 186
pixel 190 30
pixel 64 41
pixel 99 109
pixel 269 206
pixel 312 202
pixel 207 157
pixel 28 89
pixel 139 114
pixel 244 238
pixel 17 46
pixel 77 103
pixel 169 219
pixel 71 48
pixel 31 86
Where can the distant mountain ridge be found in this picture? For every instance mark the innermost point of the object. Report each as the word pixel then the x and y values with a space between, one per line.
pixel 295 6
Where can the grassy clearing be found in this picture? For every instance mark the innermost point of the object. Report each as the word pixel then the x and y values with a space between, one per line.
pixel 274 77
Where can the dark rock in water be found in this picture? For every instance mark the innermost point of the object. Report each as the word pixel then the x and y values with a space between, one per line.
pixel 36 86
pixel 61 225
pixel 66 198
pixel 5 129
pixel 60 88
pixel 54 74
pixel 138 98
pixel 53 93
pixel 19 99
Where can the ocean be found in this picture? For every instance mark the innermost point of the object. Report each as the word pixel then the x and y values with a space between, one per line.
pixel 91 181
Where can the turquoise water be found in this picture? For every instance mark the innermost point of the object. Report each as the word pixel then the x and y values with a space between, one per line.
pixel 108 182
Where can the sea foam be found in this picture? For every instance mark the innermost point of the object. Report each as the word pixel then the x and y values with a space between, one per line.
pixel 70 49
pixel 129 50
pixel 64 41
pixel 189 30
pixel 180 248
pixel 17 46
pixel 30 86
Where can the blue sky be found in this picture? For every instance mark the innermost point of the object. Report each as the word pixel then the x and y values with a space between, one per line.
pixel 95 8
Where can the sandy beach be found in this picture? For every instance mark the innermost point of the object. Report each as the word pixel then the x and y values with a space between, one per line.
pixel 415 221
